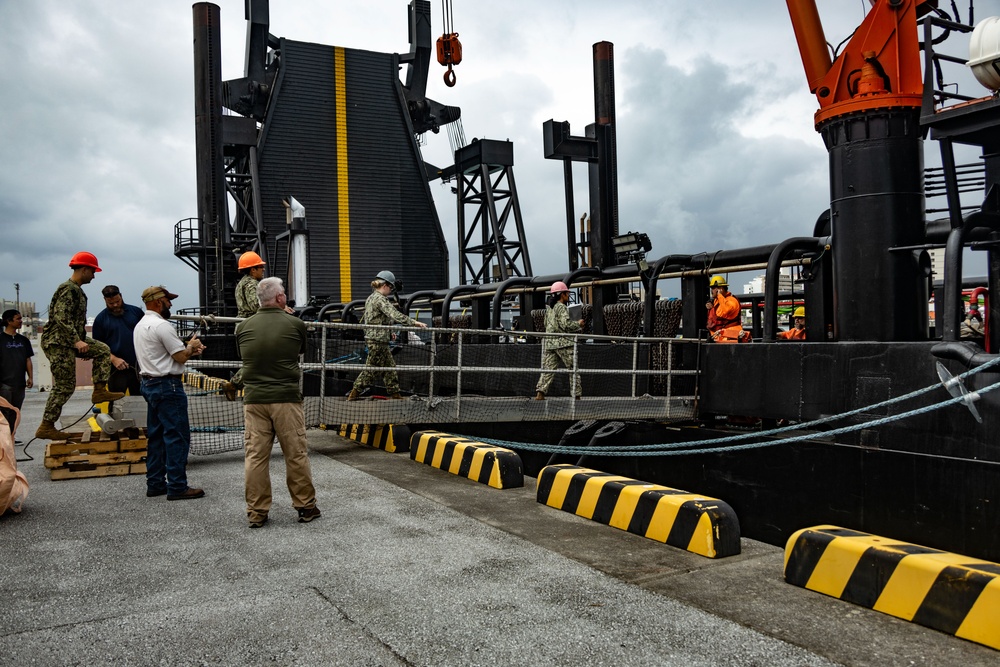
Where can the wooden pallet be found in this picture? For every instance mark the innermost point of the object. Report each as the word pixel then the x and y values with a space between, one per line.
pixel 97 455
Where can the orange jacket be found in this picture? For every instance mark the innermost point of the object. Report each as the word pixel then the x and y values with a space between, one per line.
pixel 724 313
pixel 792 334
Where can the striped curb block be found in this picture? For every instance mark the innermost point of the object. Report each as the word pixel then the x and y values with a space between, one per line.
pixel 390 437
pixel 498 467
pixel 945 591
pixel 696 523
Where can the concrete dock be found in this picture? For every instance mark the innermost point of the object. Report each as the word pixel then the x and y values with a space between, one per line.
pixel 408 565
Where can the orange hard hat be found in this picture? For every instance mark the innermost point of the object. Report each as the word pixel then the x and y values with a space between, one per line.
pixel 84 258
pixel 249 260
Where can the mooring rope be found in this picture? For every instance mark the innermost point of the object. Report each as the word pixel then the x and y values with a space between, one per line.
pixel 699 446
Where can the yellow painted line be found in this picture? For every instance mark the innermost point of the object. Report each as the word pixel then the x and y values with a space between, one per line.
pixel 665 515
pixel 625 507
pixel 560 485
pixel 701 540
pixel 438 455
pixel 836 566
pixel 343 191
pixel 981 624
pixel 495 480
pixel 476 465
pixel 592 493
pixel 421 452
pixel 912 580
pixel 458 451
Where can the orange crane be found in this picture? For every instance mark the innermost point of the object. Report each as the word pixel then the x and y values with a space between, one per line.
pixel 878 69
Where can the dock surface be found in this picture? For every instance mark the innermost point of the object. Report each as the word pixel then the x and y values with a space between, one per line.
pixel 408 565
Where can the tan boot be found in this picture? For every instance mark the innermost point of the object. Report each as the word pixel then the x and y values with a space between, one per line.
pixel 101 393
pixel 354 395
pixel 397 396
pixel 539 396
pixel 48 431
pixel 229 390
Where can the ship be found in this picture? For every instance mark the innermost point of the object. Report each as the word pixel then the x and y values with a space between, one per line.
pixel 885 424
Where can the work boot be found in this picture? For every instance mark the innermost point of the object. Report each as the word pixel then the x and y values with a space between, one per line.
pixel 354 395
pixel 101 393
pixel 539 396
pixel 397 396
pixel 48 431
pixel 229 389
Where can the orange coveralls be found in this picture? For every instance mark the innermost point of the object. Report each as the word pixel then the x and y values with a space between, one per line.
pixel 792 334
pixel 724 320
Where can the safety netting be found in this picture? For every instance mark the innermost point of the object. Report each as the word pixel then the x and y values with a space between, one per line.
pixel 453 374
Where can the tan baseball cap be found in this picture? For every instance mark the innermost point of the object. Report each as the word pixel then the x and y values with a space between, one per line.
pixel 157 292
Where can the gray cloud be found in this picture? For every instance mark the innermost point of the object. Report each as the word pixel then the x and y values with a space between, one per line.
pixel 716 148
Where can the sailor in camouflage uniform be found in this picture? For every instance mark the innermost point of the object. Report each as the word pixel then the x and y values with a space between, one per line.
pixel 379 310
pixel 251 265
pixel 558 350
pixel 64 339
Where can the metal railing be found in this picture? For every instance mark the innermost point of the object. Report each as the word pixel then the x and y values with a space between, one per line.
pixel 647 357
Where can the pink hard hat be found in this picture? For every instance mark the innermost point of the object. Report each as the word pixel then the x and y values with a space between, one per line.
pixel 557 287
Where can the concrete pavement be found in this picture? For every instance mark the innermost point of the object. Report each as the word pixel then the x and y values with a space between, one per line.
pixel 407 566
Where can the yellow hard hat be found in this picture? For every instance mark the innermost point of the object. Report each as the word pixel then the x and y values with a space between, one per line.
pixel 800 312
pixel 717 281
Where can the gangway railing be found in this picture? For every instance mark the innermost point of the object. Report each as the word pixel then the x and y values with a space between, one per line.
pixel 468 375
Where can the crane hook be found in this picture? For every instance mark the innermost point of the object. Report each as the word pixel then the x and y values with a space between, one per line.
pixel 449 53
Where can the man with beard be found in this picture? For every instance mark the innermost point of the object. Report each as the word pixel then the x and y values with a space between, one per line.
pixel 162 355
pixel 798 329
pixel 114 326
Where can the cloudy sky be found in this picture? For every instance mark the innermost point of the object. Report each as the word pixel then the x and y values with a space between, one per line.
pixel 716 142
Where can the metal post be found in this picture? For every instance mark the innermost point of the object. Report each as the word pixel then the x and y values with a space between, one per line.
pixel 574 262
pixel 670 375
pixel 434 348
pixel 322 367
pixel 458 381
pixel 635 363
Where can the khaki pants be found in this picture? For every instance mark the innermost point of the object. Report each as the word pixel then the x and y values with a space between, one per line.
pixel 263 422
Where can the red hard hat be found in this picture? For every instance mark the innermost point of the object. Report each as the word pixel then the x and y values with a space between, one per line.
pixel 558 286
pixel 84 258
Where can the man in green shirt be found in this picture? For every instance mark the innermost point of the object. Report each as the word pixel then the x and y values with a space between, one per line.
pixel 270 343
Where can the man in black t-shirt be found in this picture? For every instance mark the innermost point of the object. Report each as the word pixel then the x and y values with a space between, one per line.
pixel 16 372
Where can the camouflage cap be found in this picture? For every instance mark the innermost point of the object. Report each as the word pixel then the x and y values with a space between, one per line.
pixel 156 292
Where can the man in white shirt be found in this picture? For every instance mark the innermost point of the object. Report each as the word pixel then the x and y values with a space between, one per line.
pixel 162 355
